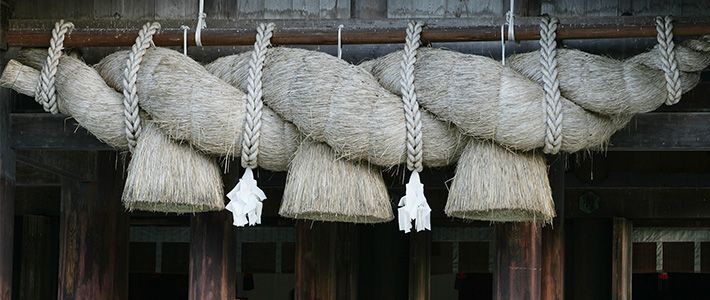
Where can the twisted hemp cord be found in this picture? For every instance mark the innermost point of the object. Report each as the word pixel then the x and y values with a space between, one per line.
pixel 254 103
pixel 46 93
pixel 551 84
pixel 130 75
pixel 664 26
pixel 413 116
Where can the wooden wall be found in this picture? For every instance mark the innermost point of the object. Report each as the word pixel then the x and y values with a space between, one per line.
pixel 344 9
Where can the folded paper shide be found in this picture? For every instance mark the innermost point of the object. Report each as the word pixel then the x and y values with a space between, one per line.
pixel 246 198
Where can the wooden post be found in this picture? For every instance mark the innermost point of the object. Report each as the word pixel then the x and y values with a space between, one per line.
pixel 518 259
pixel 7 196
pixel 621 269
pixel 212 257
pixel 326 261
pixel 93 251
pixel 553 237
pixel 38 266
pixel 419 265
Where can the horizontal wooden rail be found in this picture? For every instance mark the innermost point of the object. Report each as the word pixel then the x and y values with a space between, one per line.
pixel 97 33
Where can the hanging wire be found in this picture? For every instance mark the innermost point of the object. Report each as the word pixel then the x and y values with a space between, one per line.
pixel 340 40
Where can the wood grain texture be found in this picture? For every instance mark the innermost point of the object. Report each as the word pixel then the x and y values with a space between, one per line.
pixel 518 261
pixel 326 261
pixel 212 257
pixel 94 236
pixel 38 265
pixel 553 236
pixel 420 265
pixel 621 259
pixel 7 193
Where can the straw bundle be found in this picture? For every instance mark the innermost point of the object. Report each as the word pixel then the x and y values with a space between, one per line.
pixel 322 187
pixel 166 176
pixel 495 184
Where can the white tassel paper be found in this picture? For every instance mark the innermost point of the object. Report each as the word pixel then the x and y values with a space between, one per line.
pixel 245 201
pixel 413 206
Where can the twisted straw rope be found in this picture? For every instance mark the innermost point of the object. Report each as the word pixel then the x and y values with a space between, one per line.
pixel 551 84
pixel 413 116
pixel 664 26
pixel 254 103
pixel 130 75
pixel 46 93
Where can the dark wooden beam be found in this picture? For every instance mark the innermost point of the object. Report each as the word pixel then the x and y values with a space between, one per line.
pixel 638 203
pixel 93 33
pixel 621 268
pixel 213 270
pixel 553 236
pixel 420 265
pixel 38 264
pixel 326 261
pixel 94 236
pixel 518 261
pixel 667 131
pixel 7 193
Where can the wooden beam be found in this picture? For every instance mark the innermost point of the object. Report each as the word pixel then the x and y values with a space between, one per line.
pixel 420 265
pixel 115 33
pixel 7 192
pixel 638 203
pixel 667 131
pixel 94 236
pixel 38 264
pixel 326 261
pixel 518 261
pixel 553 236
pixel 621 269
pixel 212 257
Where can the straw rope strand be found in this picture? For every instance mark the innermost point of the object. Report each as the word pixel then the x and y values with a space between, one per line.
pixel 46 93
pixel 664 26
pixel 413 116
pixel 551 85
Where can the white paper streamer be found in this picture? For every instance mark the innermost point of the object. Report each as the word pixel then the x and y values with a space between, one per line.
pixel 413 206
pixel 245 201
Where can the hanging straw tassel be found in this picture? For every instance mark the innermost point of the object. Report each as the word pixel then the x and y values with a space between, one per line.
pixel 500 185
pixel 246 197
pixel 413 206
pixel 166 176
pixel 321 186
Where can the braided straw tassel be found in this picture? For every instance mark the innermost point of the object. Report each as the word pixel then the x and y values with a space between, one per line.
pixel 46 93
pixel 551 85
pixel 245 199
pixel 669 63
pixel 130 76
pixel 413 206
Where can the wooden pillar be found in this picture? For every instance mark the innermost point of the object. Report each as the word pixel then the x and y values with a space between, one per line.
pixel 420 265
pixel 553 237
pixel 212 257
pixel 518 258
pixel 326 261
pixel 7 195
pixel 93 251
pixel 621 269
pixel 38 275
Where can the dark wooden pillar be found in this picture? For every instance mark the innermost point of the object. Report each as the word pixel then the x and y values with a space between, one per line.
pixel 621 268
pixel 38 276
pixel 212 257
pixel 420 265
pixel 93 251
pixel 518 260
pixel 7 195
pixel 553 237
pixel 326 261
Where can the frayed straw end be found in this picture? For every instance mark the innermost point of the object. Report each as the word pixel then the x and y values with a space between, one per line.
pixel 165 176
pixel 322 187
pixel 498 185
